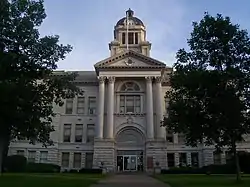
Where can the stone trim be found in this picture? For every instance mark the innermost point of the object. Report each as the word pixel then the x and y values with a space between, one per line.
pixel 114 58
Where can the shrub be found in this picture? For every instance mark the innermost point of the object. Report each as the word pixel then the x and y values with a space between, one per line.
pixel 86 170
pixel 15 163
pixel 42 168
pixel 73 171
pixel 220 169
pixel 183 170
pixel 211 169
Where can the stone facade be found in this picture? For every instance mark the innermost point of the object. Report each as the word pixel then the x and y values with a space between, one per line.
pixel 116 124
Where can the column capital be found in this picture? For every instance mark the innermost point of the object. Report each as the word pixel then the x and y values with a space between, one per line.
pixel 149 79
pixel 111 79
pixel 101 79
pixel 158 79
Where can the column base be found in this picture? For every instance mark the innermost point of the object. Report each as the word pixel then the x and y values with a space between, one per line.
pixel 104 153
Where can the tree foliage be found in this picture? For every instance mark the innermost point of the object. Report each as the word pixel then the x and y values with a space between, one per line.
pixel 27 83
pixel 209 100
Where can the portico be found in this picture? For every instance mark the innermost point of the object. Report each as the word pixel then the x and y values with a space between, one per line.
pixel 150 81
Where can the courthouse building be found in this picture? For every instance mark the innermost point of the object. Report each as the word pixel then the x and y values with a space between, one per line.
pixel 116 123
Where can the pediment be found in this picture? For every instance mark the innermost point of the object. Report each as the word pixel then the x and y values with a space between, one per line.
pixel 129 59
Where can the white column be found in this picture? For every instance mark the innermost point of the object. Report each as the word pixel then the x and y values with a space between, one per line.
pixel 161 132
pixel 99 126
pixel 149 105
pixel 110 108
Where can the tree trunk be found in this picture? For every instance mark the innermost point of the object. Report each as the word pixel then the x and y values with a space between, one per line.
pixel 5 151
pixel 237 163
pixel 2 146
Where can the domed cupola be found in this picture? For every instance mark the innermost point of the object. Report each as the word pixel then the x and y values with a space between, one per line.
pixel 130 34
pixel 132 20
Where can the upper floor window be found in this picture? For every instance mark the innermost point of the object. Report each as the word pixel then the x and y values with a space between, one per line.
pixel 78 132
pixel 80 105
pixel 130 100
pixel 92 105
pixel 130 103
pixel 169 136
pixel 67 133
pixel 69 106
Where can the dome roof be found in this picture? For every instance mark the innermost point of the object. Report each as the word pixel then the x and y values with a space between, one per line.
pixel 130 14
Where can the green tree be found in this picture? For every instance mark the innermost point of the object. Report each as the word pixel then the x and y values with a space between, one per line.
pixel 29 88
pixel 209 101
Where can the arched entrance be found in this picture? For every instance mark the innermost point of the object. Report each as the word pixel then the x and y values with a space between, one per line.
pixel 130 149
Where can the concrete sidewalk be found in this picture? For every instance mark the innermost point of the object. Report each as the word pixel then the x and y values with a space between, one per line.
pixel 130 181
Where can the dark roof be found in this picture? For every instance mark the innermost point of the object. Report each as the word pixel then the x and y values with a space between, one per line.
pixel 130 14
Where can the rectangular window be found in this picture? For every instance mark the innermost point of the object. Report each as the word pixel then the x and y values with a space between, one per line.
pixel 43 156
pixel 130 104
pixel 89 160
pixel 65 159
pixel 92 105
pixel 32 156
pixel 130 38
pixel 123 38
pixel 90 133
pixel 69 106
pixel 169 137
pixel 80 105
pixel 67 133
pixel 20 152
pixel 171 160
pixel 195 159
pixel 78 132
pixel 77 160
pixel 183 159
pixel 122 104
pixel 181 138
pixel 217 158
pixel 136 38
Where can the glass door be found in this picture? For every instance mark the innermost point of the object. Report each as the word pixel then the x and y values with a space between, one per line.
pixel 130 163
pixel 133 163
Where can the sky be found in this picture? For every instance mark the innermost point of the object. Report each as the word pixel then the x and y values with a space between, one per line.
pixel 88 25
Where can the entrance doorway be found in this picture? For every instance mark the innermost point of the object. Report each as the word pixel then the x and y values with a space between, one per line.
pixel 130 163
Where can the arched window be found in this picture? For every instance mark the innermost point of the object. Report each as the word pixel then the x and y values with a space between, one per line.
pixel 130 86
pixel 130 99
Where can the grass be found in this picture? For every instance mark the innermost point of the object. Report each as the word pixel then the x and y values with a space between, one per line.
pixel 204 180
pixel 49 180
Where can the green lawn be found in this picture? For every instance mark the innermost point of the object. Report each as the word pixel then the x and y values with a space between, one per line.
pixel 204 180
pixel 48 180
